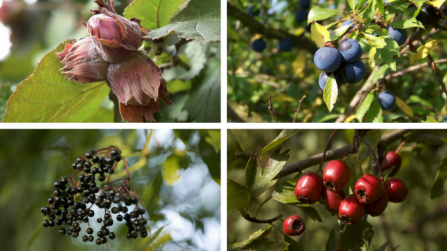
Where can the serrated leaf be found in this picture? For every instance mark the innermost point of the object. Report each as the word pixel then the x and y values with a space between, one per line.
pixel 317 14
pixel 330 92
pixel 337 33
pixel 283 136
pixel 372 138
pixel 319 34
pixel 377 29
pixel 404 107
pixel 259 241
pixel 299 63
pixel 439 103
pixel 438 188
pixel 374 114
pixel 430 120
pixel 356 235
pixel 435 3
pixel 195 52
pixel 380 73
pixel 286 195
pixel 155 13
pixel 406 24
pixel 374 41
pixel 238 196
pixel 389 52
pixel 262 179
pixel 364 106
pixel 199 21
pixel 203 103
pixel 332 242
pixel 294 245
pixel 46 96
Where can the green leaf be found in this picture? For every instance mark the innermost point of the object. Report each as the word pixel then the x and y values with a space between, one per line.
pixel 430 120
pixel 285 194
pixel 398 7
pixel 389 51
pixel 383 247
pixel 357 235
pixel 283 136
pixel 294 245
pixel 438 188
pixel 317 13
pixel 353 4
pixel 259 241
pixel 238 196
pixel 154 236
pixel 46 96
pixel 372 138
pixel 418 2
pixel 155 13
pixel 373 41
pixel 330 92
pixel 203 103
pixel 374 113
pixel 406 24
pixel 379 5
pixel 443 165
pixel 380 73
pixel 5 93
pixel 439 103
pixel 171 167
pixel 332 242
pixel 195 52
pixel 365 106
pixel 261 179
pixel 199 21
pixel 369 12
pixel 377 29
pixel 337 33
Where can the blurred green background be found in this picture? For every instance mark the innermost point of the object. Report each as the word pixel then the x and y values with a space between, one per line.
pixel 419 223
pixel 177 176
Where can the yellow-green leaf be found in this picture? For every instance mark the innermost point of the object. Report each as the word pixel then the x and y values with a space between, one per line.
pixel 374 41
pixel 435 3
pixel 171 167
pixel 330 92
pixel 319 34
pixel 430 120
pixel 404 107
pixel 299 63
pixel 424 50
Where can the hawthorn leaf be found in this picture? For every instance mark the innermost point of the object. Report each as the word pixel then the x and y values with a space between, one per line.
pixel 283 136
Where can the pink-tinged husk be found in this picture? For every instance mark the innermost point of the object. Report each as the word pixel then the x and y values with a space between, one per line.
pixel 135 81
pixel 115 37
pixel 140 113
pixel 82 62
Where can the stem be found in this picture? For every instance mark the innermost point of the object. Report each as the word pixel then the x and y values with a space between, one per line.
pixel 413 68
pixel 375 156
pixel 271 108
pixel 116 107
pixel 436 71
pixel 341 235
pixel 358 154
pixel 262 204
pixel 325 149
pixel 254 220
pixel 298 109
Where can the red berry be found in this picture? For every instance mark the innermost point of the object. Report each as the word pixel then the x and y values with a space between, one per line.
pixel 389 160
pixel 397 190
pixel 336 174
pixel 351 211
pixel 293 225
pixel 377 207
pixel 332 199
pixel 308 188
pixel 368 189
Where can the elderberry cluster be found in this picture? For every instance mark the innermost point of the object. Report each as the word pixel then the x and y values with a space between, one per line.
pixel 62 203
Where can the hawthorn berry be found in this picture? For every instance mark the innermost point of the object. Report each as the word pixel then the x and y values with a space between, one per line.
pixel 308 188
pixel 293 225
pixel 335 175
pixel 332 199
pixel 397 190
pixel 391 159
pixel 368 189
pixel 377 207
pixel 350 210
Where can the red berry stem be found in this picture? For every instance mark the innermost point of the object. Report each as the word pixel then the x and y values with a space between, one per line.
pixel 375 156
pixel 325 149
pixel 358 155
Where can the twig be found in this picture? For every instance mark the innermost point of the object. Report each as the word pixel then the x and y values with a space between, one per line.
pixel 341 235
pixel 357 148
pixel 436 71
pixel 301 165
pixel 271 108
pixel 325 149
pixel 254 220
pixel 413 68
pixel 298 109
pixel 440 212
pixel 384 226
pixel 374 155
pixel 358 96
pixel 116 107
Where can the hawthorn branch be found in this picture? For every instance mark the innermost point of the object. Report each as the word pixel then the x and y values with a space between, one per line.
pixel 254 220
pixel 256 27
pixel 337 153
